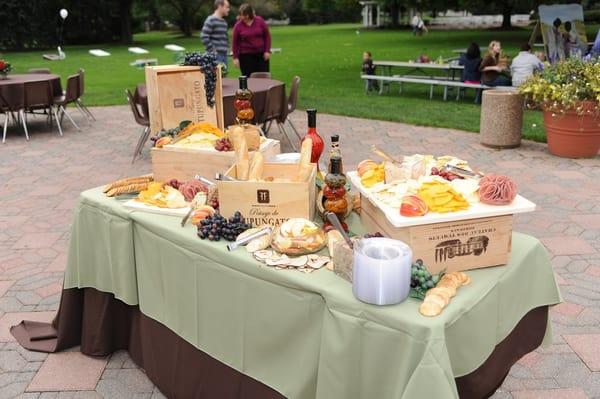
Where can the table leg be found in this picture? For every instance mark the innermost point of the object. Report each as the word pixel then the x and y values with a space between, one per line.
pixel 431 92
pixel 445 92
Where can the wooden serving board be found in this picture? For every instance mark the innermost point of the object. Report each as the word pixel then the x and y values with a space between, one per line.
pixel 475 211
pixel 140 206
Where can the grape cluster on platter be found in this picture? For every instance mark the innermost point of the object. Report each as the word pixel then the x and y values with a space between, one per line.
pixel 421 280
pixel 445 174
pixel 217 226
pixel 208 65
pixel 223 144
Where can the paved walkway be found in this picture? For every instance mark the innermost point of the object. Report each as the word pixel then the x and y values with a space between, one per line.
pixel 41 179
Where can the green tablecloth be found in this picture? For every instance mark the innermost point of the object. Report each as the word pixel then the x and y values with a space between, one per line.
pixel 304 335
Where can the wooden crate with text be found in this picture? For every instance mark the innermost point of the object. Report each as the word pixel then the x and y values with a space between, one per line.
pixel 454 246
pixel 176 93
pixel 269 202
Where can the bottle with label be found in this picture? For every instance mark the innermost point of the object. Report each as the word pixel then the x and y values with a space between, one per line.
pixel 335 150
pixel 317 141
pixel 334 190
pixel 243 102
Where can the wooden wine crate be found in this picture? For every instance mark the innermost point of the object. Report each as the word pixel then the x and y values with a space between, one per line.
pixel 176 93
pixel 272 203
pixel 454 246
pixel 185 163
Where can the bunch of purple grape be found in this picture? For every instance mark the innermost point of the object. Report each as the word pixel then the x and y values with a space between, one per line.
pixel 217 226
pixel 223 144
pixel 208 65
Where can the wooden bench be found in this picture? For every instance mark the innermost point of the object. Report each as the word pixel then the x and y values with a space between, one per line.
pixel 431 82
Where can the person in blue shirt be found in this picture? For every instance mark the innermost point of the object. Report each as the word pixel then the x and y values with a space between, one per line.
pixel 471 60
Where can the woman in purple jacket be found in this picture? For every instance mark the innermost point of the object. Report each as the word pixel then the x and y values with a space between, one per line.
pixel 251 42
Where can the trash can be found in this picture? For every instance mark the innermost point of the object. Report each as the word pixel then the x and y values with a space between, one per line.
pixel 501 118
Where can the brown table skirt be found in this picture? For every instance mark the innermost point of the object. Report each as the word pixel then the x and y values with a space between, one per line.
pixel 102 324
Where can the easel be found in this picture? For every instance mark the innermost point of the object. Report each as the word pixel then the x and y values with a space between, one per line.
pixel 535 34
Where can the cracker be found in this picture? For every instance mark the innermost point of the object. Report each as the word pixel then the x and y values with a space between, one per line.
pixel 436 298
pixel 430 309
pixel 440 291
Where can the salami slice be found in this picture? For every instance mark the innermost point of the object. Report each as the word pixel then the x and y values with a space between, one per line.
pixel 497 190
pixel 190 188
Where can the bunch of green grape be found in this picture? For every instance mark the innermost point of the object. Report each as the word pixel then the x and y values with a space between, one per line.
pixel 420 278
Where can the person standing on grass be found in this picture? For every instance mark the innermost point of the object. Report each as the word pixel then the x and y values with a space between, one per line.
pixel 251 42
pixel 214 31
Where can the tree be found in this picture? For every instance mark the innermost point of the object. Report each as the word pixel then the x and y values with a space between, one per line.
pixel 507 7
pixel 125 17
pixel 186 12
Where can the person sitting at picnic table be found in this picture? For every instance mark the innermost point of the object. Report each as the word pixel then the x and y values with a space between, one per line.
pixel 524 65
pixel 251 42
pixel 491 68
pixel 470 61
pixel 369 69
pixel 418 24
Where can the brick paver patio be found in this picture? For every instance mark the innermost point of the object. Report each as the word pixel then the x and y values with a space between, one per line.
pixel 41 179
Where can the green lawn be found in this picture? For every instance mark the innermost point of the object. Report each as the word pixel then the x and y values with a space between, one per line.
pixel 327 58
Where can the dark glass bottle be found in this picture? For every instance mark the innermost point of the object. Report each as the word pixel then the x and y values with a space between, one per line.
pixel 334 189
pixel 243 102
pixel 335 151
pixel 317 141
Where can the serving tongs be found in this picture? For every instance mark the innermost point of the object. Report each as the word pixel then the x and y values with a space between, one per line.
pixel 223 177
pixel 262 232
pixel 462 172
pixel 333 219
pixel 384 155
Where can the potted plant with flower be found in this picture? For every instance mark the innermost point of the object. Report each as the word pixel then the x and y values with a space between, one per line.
pixel 5 68
pixel 568 93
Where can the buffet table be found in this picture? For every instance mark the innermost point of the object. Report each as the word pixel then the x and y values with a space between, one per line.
pixel 204 322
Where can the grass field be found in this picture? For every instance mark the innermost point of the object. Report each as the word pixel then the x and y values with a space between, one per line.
pixel 327 58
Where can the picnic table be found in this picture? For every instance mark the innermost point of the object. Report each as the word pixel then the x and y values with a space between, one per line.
pixel 423 68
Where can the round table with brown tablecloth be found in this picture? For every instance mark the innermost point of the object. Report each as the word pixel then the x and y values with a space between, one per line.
pixel 11 89
pixel 259 88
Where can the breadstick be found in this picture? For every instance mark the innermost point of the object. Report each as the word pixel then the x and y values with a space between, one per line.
pixel 129 180
pixel 241 159
pixel 130 188
pixel 304 172
pixel 256 169
pixel 305 153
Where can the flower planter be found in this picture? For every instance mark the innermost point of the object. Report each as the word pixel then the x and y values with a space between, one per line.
pixel 573 135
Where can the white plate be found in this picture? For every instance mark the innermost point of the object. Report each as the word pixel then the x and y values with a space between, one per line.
pixel 140 206
pixel 479 210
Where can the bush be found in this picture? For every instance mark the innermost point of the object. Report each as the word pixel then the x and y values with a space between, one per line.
pixel 591 16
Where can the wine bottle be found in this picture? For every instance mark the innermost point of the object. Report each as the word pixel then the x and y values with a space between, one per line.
pixel 317 141
pixel 243 102
pixel 335 151
pixel 334 190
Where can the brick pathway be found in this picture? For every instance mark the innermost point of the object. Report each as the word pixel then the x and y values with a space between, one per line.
pixel 40 181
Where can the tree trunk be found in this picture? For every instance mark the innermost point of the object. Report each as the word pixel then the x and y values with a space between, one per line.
pixel 125 15
pixel 394 10
pixel 506 14
pixel 187 19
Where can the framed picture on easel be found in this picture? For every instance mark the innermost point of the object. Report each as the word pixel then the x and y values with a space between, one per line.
pixel 563 31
